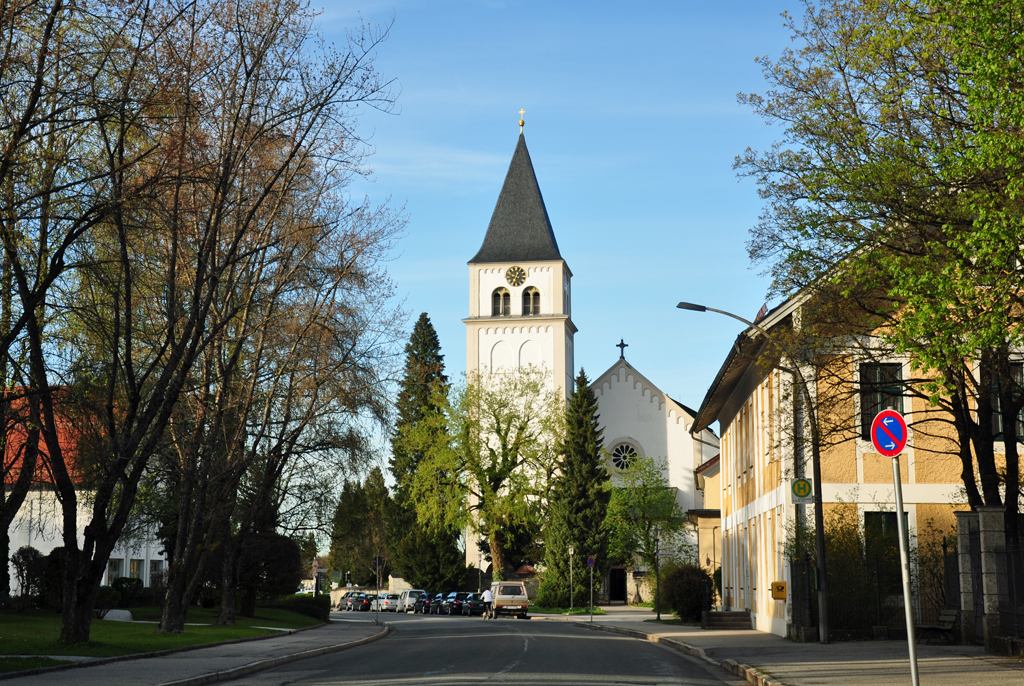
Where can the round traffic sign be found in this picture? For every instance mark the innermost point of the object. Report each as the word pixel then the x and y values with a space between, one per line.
pixel 889 433
pixel 801 488
pixel 590 561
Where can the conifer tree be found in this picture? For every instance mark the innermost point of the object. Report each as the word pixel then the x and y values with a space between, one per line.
pixel 426 560
pixel 579 504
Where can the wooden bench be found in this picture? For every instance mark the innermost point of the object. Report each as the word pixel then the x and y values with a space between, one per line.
pixel 946 626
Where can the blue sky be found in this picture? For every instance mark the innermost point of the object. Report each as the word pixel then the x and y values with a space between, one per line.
pixel 632 124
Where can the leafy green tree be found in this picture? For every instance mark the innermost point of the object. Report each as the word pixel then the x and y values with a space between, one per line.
pixel 359 532
pixel 579 504
pixel 644 517
pixel 489 456
pixel 894 191
pixel 424 558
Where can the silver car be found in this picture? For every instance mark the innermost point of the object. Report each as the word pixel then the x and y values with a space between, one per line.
pixel 385 602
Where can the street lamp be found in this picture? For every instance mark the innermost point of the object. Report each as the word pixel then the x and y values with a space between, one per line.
pixel 657 572
pixel 571 551
pixel 819 518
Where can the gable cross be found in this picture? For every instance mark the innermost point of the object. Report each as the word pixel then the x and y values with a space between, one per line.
pixel 622 345
pixel 521 113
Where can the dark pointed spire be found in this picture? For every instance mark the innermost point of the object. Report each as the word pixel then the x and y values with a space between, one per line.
pixel 520 230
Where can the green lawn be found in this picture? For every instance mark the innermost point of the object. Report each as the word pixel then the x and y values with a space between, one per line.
pixel 564 611
pixel 38 633
pixel 17 664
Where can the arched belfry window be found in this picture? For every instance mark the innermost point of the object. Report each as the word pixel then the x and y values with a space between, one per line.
pixel 501 303
pixel 531 301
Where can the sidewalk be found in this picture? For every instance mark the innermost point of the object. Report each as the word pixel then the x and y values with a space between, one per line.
pixel 215 663
pixel 846 663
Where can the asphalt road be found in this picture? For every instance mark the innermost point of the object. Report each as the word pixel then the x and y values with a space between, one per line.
pixel 460 650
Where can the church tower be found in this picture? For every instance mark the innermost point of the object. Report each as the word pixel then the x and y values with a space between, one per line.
pixel 519 285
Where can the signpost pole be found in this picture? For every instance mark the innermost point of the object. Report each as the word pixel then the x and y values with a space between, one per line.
pixel 591 592
pixel 889 435
pixel 901 527
pixel 571 551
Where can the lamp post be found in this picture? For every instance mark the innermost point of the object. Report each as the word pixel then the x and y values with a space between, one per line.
pixel 812 417
pixel 571 551
pixel 657 572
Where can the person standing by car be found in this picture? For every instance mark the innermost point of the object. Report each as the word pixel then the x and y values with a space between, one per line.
pixel 488 599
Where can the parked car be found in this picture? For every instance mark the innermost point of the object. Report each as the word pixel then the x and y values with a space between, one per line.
pixel 344 603
pixel 510 598
pixel 422 602
pixel 407 599
pixel 435 604
pixel 473 605
pixel 452 604
pixel 363 602
pixel 350 601
pixel 385 602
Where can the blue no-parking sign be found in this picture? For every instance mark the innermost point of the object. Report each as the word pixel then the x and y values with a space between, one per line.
pixel 590 561
pixel 889 433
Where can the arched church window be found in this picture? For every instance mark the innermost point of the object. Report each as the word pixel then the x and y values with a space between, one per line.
pixel 501 303
pixel 623 455
pixel 531 301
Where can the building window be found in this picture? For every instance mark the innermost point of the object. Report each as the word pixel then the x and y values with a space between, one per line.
pixel 501 303
pixel 156 573
pixel 135 569
pixel 623 455
pixel 1017 370
pixel 115 570
pixel 531 301
pixel 880 388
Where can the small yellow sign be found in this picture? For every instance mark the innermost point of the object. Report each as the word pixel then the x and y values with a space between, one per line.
pixel 778 590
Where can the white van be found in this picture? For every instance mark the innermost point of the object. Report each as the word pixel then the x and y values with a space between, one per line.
pixel 407 599
pixel 510 598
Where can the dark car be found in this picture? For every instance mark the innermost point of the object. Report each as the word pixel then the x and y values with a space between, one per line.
pixel 422 602
pixel 435 604
pixel 351 598
pixel 363 602
pixel 473 605
pixel 452 604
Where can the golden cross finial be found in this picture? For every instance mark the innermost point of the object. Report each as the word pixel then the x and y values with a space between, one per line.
pixel 521 113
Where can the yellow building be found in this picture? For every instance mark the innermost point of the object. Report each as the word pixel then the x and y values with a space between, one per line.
pixel 762 451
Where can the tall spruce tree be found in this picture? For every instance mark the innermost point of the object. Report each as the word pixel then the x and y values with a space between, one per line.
pixel 426 560
pixel 579 504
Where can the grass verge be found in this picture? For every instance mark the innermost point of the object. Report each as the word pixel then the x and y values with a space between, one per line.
pixel 534 610
pixel 38 633
pixel 18 664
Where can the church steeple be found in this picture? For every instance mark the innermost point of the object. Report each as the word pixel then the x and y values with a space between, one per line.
pixel 520 230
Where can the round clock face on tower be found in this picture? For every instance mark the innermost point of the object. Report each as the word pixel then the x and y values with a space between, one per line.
pixel 515 276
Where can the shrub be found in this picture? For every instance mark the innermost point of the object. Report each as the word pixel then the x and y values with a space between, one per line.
pixel 318 607
pixel 106 599
pixel 127 588
pixel 29 568
pixel 682 589
pixel 53 579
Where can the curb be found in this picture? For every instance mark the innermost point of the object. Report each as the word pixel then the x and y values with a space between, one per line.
pixel 752 675
pixel 253 667
pixel 140 656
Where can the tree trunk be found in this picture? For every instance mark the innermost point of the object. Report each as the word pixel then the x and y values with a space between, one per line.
pixel 497 555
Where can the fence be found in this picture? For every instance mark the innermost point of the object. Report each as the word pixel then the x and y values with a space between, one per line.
pixel 866 591
pixel 1011 611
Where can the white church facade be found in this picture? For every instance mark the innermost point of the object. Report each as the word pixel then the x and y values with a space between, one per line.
pixel 520 314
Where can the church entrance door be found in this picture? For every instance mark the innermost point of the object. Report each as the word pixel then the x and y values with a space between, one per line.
pixel 617 585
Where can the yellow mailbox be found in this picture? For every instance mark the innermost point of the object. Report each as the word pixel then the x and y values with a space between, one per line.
pixel 778 590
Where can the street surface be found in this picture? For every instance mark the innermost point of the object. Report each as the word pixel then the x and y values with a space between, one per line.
pixel 462 650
